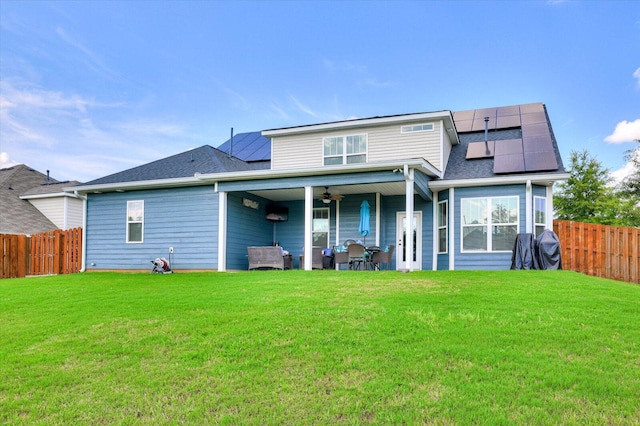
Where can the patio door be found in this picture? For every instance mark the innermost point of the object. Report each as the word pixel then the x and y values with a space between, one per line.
pixel 402 259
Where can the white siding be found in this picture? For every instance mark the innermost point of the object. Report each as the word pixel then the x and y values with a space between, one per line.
pixel 385 143
pixel 446 148
pixel 291 152
pixel 74 213
pixel 52 208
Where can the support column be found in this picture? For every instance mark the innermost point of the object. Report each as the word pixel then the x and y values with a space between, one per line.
pixel 222 231
pixel 378 219
pixel 528 214
pixel 408 245
pixel 308 228
pixel 452 231
pixel 549 212
pixel 436 235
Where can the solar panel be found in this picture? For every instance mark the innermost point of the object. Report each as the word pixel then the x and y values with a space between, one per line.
pixel 478 123
pixel 509 146
pixel 529 108
pixel 533 118
pixel 537 129
pixel 537 143
pixel 464 126
pixel 507 111
pixel 508 121
pixel 463 115
pixel 509 163
pixel 479 150
pixel 539 161
pixel 486 112
pixel 251 146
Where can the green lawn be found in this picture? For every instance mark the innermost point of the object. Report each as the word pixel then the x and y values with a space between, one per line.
pixel 323 347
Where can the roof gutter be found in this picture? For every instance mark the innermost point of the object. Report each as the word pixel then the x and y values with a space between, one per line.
pixel 538 178
pixel 50 195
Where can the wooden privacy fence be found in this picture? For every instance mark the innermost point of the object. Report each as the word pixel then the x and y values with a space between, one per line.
pixel 600 250
pixel 55 252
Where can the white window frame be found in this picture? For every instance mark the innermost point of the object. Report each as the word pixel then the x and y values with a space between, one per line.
pixel 443 225
pixel 488 223
pixel 415 128
pixel 544 212
pixel 344 155
pixel 130 221
pixel 327 211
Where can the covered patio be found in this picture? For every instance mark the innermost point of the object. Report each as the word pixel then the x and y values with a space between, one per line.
pixel 389 189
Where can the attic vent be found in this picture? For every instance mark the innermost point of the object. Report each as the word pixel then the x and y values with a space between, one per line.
pixel 427 127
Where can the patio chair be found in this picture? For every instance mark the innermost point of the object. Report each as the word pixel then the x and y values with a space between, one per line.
pixel 340 255
pixel 385 256
pixel 348 242
pixel 356 256
pixel 316 258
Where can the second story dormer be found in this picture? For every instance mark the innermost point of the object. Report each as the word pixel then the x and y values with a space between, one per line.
pixel 421 136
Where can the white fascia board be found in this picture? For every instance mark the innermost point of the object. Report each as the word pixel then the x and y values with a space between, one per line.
pixel 500 180
pixel 51 195
pixel 363 122
pixel 136 185
pixel 320 171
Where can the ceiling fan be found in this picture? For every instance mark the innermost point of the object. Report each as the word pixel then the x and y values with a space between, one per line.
pixel 327 197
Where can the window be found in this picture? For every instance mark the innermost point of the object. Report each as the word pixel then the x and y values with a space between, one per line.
pixel 539 214
pixel 135 221
pixel 442 227
pixel 489 224
pixel 427 127
pixel 320 229
pixel 345 149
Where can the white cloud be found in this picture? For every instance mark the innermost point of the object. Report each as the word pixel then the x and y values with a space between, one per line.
pixel 5 161
pixel 625 131
pixel 75 137
pixel 302 107
pixel 627 170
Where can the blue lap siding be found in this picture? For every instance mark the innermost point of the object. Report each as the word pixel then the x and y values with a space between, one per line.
pixel 183 218
pixel 485 260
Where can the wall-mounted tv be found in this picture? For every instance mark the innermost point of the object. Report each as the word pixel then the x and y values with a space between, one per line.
pixel 277 213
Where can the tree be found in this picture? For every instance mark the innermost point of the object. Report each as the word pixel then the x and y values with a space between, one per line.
pixel 589 195
pixel 631 184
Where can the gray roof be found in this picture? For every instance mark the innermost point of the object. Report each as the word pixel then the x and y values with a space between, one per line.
pixel 252 151
pixel 205 159
pixel 50 188
pixel 19 216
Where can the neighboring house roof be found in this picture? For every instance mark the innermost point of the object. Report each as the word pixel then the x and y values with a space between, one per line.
pixel 52 189
pixel 19 216
pixel 205 159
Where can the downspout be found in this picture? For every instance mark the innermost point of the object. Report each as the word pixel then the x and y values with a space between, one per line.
pixel 83 260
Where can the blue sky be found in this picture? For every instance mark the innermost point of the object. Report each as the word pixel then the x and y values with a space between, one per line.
pixel 91 88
